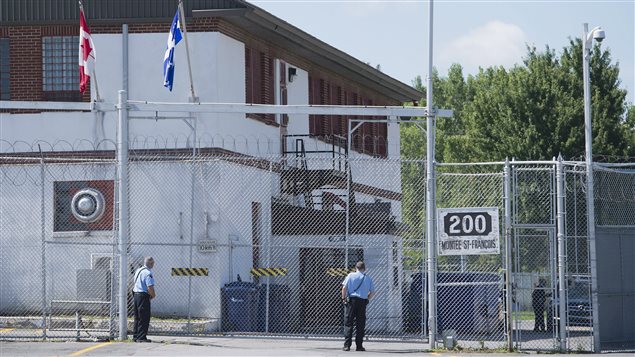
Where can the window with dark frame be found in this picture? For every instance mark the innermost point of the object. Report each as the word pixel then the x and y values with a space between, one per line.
pixel 259 82
pixel 60 70
pixel 5 88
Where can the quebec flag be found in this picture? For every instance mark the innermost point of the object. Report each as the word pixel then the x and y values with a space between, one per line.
pixel 168 61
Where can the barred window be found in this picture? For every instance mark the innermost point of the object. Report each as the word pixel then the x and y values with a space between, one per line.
pixel 60 69
pixel 4 69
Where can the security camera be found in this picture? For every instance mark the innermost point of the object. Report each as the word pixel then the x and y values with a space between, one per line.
pixel 599 35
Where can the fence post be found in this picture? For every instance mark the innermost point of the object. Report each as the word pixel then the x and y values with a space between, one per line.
pixel 562 255
pixel 431 209
pixel 269 242
pixel 192 208
pixel 122 170
pixel 348 192
pixel 43 233
pixel 508 253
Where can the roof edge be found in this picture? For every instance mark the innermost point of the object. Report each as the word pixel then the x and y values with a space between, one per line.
pixel 400 90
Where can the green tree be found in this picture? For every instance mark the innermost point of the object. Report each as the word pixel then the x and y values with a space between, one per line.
pixel 630 128
pixel 531 111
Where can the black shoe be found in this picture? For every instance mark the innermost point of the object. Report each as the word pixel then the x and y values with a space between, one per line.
pixel 360 349
pixel 143 340
pixel 346 348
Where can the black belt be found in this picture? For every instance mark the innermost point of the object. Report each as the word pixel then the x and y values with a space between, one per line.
pixel 140 292
pixel 357 297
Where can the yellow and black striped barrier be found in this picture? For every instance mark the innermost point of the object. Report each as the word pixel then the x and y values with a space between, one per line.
pixel 190 271
pixel 339 271
pixel 269 271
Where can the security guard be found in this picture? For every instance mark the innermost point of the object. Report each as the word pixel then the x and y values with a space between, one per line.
pixel 143 292
pixel 357 290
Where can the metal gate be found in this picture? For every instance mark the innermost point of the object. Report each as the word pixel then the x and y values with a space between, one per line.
pixel 534 255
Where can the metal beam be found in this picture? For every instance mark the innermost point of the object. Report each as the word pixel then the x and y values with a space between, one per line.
pixel 398 111
pixel 277 109
pixel 63 106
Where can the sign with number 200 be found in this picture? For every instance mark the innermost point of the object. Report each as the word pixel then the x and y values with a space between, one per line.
pixel 468 231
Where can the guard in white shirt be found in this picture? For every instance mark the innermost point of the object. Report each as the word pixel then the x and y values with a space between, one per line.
pixel 357 290
pixel 143 292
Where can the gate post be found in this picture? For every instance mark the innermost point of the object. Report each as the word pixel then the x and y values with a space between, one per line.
pixel 122 171
pixel 562 255
pixel 508 253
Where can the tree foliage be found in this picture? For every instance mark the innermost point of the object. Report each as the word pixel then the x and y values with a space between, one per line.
pixel 531 111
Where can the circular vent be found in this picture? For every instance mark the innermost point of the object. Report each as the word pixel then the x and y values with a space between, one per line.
pixel 88 205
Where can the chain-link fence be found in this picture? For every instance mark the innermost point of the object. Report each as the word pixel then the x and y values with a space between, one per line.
pixel 57 267
pixel 260 245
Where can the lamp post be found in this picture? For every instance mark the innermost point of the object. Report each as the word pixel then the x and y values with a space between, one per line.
pixel 587 41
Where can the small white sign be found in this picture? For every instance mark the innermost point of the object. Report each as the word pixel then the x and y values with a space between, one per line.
pixel 207 246
pixel 468 231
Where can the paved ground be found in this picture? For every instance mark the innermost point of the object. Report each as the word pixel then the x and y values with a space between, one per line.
pixel 223 346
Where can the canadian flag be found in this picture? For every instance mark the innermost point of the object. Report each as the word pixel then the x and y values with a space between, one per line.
pixel 86 52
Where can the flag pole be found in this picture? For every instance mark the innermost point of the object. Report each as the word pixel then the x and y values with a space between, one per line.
pixel 94 74
pixel 97 97
pixel 187 51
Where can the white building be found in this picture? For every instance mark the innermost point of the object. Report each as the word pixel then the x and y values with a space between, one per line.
pixel 268 191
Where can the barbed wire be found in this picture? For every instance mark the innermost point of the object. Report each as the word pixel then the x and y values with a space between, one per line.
pixel 247 144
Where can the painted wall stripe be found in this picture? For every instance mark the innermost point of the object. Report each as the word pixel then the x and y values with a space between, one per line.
pixel 269 271
pixel 190 272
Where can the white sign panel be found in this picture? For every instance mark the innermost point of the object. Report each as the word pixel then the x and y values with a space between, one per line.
pixel 468 231
pixel 207 246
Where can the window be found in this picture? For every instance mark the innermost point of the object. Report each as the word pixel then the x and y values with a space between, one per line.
pixel 369 138
pixel 60 70
pixel 4 69
pixel 259 82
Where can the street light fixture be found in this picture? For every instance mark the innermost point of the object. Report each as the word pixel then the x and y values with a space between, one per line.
pixel 587 41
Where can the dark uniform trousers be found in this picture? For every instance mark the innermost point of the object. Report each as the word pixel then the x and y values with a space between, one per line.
pixel 355 311
pixel 141 315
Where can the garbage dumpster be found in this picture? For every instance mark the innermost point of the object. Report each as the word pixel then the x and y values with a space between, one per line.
pixel 466 302
pixel 413 299
pixel 279 309
pixel 469 302
pixel 240 304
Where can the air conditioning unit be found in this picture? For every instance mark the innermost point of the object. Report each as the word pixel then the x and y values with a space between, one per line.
pixel 101 261
pixel 93 284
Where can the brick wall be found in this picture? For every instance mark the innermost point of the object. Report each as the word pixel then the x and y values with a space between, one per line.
pixel 25 57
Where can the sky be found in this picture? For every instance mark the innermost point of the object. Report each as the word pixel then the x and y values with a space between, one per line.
pixel 473 33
